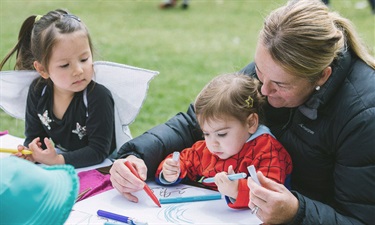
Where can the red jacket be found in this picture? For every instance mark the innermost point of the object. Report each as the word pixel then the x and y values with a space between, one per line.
pixel 264 152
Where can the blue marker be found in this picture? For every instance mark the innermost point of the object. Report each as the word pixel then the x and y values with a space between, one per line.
pixel 120 218
pixel 253 174
pixel 190 198
pixel 236 176
pixel 108 223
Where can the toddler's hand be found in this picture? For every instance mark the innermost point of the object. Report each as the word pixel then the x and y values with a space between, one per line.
pixel 226 186
pixel 171 170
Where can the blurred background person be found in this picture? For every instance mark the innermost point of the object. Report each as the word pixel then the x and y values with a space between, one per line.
pixel 167 4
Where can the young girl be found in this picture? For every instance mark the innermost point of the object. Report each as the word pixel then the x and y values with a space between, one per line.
pixel 228 110
pixel 65 107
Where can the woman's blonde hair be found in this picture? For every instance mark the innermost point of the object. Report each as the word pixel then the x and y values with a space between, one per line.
pixel 304 37
pixel 229 95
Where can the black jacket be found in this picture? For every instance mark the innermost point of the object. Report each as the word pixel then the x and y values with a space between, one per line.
pixel 331 139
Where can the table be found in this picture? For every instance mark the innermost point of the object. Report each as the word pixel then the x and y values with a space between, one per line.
pixel 213 212
pixel 202 212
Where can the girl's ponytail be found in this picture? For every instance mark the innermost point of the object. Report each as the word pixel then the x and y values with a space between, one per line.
pixel 24 56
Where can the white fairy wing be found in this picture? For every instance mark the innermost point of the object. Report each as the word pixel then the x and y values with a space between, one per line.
pixel 14 86
pixel 127 84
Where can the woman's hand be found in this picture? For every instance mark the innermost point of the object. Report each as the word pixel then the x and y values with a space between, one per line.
pixel 276 204
pixel 171 170
pixel 226 186
pixel 124 181
pixel 47 156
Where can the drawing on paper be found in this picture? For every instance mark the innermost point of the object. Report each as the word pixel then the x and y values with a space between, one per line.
pixel 165 192
pixel 174 214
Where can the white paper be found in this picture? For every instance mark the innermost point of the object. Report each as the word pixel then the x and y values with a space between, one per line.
pixel 213 212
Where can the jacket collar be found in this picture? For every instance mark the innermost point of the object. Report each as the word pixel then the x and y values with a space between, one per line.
pixel 326 92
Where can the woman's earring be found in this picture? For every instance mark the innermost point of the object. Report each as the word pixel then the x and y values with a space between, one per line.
pixel 317 88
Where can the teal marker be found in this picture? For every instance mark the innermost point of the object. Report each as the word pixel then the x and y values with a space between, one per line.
pixel 190 198
pixel 236 176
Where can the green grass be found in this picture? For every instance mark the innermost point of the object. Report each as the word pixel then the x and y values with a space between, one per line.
pixel 187 47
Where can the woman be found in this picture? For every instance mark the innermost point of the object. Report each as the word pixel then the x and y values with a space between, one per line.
pixel 319 80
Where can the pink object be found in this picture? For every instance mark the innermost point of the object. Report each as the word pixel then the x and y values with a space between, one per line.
pixel 4 132
pixel 92 182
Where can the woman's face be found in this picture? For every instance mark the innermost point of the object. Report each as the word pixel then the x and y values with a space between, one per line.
pixel 282 89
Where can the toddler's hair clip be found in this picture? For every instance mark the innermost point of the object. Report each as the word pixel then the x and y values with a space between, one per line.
pixel 37 18
pixel 249 102
pixel 73 17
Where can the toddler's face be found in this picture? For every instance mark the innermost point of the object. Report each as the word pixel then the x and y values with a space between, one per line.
pixel 225 138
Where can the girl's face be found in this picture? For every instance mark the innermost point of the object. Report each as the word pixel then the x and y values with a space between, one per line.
pixel 281 88
pixel 70 66
pixel 225 138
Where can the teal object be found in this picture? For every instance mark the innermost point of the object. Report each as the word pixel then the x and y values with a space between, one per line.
pixel 208 197
pixel 32 194
pixel 235 176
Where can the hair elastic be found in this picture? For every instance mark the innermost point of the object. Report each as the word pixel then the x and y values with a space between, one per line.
pixel 37 18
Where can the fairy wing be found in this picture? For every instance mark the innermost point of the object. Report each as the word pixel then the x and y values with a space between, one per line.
pixel 127 84
pixel 14 86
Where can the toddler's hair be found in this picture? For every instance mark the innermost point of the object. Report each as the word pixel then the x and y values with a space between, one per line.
pixel 234 95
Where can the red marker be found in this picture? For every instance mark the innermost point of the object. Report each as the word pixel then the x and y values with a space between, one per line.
pixel 146 187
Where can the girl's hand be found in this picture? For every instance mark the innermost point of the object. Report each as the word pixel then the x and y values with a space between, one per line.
pixel 171 170
pixel 20 155
pixel 226 186
pixel 47 156
pixel 276 204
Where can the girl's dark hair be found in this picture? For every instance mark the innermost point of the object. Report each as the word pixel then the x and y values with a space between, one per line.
pixel 38 35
